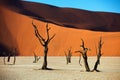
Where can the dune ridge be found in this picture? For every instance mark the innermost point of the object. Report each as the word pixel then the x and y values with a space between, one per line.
pixel 68 17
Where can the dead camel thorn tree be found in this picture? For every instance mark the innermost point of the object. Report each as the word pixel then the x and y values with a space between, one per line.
pixel 99 54
pixel 84 55
pixel 68 55
pixel 44 42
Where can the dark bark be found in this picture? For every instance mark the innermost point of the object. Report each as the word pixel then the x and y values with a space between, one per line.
pixel 86 63
pixel 84 55
pixel 9 55
pixel 44 42
pixel 97 63
pixel 100 43
pixel 68 59
pixel 44 66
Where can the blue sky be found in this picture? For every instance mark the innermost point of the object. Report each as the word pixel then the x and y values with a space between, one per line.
pixel 93 5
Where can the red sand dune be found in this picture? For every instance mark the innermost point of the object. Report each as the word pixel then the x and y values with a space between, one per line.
pixel 16 31
pixel 68 17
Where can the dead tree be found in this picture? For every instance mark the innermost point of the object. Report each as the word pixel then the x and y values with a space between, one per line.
pixel 36 58
pixel 10 54
pixel 44 42
pixel 84 55
pixel 99 54
pixel 68 55
pixel 14 55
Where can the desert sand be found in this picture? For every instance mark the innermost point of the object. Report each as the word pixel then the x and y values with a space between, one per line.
pixel 25 69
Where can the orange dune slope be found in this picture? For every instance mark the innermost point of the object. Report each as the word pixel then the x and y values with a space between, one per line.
pixel 16 31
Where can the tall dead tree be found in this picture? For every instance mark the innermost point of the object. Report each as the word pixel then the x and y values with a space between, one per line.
pixel 99 54
pixel 68 55
pixel 44 42
pixel 84 55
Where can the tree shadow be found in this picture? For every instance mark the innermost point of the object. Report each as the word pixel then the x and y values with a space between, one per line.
pixel 48 69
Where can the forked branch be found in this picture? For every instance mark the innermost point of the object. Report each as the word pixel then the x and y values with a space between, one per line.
pixel 44 42
pixel 84 55
pixel 99 54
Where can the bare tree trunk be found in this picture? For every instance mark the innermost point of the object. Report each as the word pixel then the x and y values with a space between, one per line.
pixel 68 59
pixel 14 58
pixel 9 55
pixel 44 66
pixel 4 60
pixel 44 42
pixel 100 43
pixel 86 63
pixel 84 55
pixel 97 63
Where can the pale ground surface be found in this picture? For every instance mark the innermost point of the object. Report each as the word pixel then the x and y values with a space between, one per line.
pixel 24 69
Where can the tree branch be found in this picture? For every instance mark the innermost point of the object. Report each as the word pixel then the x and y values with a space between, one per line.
pixel 37 32
pixel 83 44
pixel 79 52
pixel 51 38
pixel 47 30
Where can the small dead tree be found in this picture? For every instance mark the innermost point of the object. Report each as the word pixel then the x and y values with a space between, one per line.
pixel 10 54
pixel 68 55
pixel 44 42
pixel 84 55
pixel 36 58
pixel 14 54
pixel 99 54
